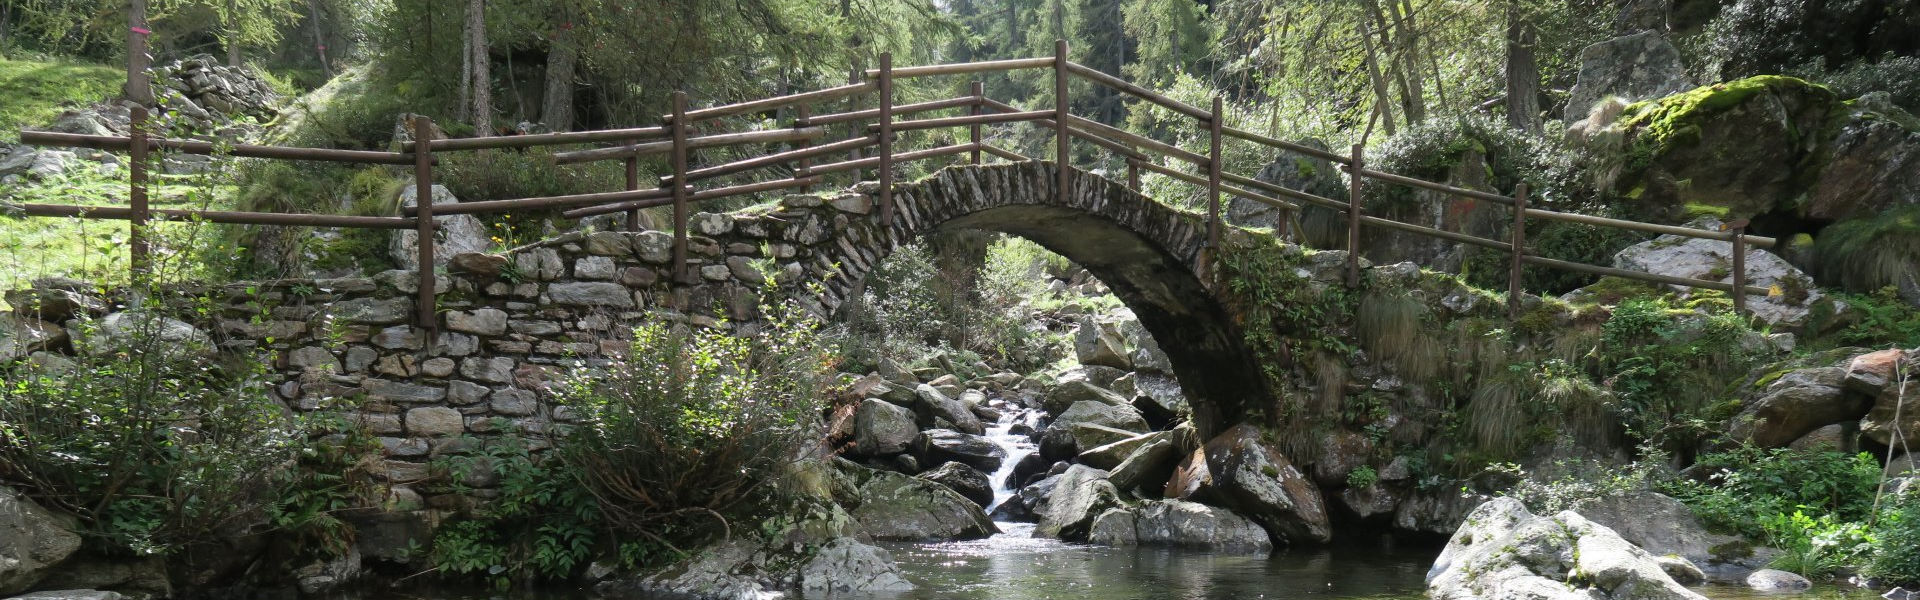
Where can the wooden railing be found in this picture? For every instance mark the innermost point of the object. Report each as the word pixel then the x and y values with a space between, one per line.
pixel 875 128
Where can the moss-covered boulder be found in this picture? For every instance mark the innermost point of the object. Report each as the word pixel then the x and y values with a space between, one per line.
pixel 1736 149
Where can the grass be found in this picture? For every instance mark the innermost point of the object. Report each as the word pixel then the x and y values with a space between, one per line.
pixel 1864 255
pixel 92 249
pixel 36 92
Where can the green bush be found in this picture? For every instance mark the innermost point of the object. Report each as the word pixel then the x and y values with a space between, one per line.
pixel 511 174
pixel 543 525
pixel 1815 548
pixel 1896 543
pixel 1863 255
pixel 148 440
pixel 697 427
pixel 1751 486
pixel 1664 366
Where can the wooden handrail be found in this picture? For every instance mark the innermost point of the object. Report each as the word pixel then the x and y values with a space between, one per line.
pixel 963 121
pixel 726 110
pixel 122 213
pixel 874 113
pixel 1012 64
pixel 775 159
pixel 693 143
pixel 540 139
pixel 1130 88
pixel 114 142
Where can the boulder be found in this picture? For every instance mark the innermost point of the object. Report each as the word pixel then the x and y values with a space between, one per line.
pixel 1099 376
pixel 967 481
pixel 24 336
pixel 1794 405
pixel 937 446
pixel 1242 473
pixel 69 595
pixel 33 541
pixel 1290 170
pixel 1098 342
pixel 1775 580
pixel 1656 523
pixel 1117 416
pixel 1147 467
pixel 1080 495
pixel 1107 456
pixel 142 331
pixel 1503 551
pixel 55 304
pixel 1632 67
pixel 932 405
pixel 1159 399
pixel 895 507
pixel 880 428
pixel 1894 411
pixel 1069 393
pixel 1873 165
pixel 1179 524
pixel 1438 512
pixel 1832 438
pixel 846 566
pixel 1695 258
pixel 452 234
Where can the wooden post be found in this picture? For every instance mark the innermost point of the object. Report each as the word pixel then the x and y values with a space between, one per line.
pixel 886 139
pixel 979 96
pixel 853 104
pixel 1062 137
pixel 139 251
pixel 1353 216
pixel 1133 176
pixel 679 158
pixel 139 89
pixel 802 119
pixel 1739 229
pixel 633 183
pixel 1519 240
pixel 424 225
pixel 1213 174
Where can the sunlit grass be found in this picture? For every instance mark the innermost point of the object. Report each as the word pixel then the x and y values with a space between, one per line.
pixel 35 92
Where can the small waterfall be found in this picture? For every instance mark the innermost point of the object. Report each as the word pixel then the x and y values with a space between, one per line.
pixel 1018 446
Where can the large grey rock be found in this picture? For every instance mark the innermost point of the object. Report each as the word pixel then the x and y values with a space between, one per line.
pixel 1069 393
pixel 590 294
pixel 1290 170
pixel 23 336
pixel 1695 258
pixel 1895 411
pixel 1632 67
pixel 1147 467
pixel 966 480
pixel 881 428
pixel 1503 551
pixel 932 405
pixel 1079 496
pixel 846 566
pixel 1179 524
pixel 142 331
pixel 937 446
pixel 1874 167
pixel 452 234
pixel 1775 580
pixel 33 541
pixel 69 595
pixel 1117 416
pixel 1236 469
pixel 1098 342
pixel 1656 523
pixel 891 506
pixel 1110 455
pixel 1796 404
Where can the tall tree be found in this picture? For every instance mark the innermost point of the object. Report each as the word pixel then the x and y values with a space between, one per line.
pixel 480 55
pixel 138 89
pixel 1523 71
pixel 556 109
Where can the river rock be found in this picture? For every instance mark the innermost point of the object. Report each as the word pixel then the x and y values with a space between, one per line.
pixel 881 428
pixel 1180 524
pixel 1874 164
pixel 33 541
pixel 1695 258
pixel 1632 67
pixel 1147 467
pixel 1071 392
pixel 1794 405
pixel 1235 469
pixel 55 304
pixel 932 405
pixel 1775 580
pixel 937 446
pixel 1117 416
pixel 1503 552
pixel 967 481
pixel 895 507
pixel 847 566
pixel 1107 456
pixel 1158 398
pixel 1881 423
pixel 1656 523
pixel 452 234
pixel 1080 495
pixel 1098 342
pixel 1438 512
pixel 20 337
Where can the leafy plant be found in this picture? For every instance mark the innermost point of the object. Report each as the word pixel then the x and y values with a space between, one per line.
pixel 1362 477
pixel 543 524
pixel 1815 547
pixel 1896 542
pixel 1750 485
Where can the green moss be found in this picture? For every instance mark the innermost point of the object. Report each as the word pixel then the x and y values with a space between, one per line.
pixel 1662 124
pixel 35 92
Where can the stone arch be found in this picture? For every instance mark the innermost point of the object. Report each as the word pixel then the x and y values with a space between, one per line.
pixel 1145 251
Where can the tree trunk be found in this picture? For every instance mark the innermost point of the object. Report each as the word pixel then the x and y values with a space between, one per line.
pixel 138 89
pixel 233 34
pixel 482 81
pixel 1415 98
pixel 319 39
pixel 1382 98
pixel 1523 73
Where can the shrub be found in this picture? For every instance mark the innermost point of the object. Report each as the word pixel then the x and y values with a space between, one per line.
pixel 1896 543
pixel 696 426
pixel 543 525
pixel 1863 255
pixel 1815 548
pixel 149 442
pixel 1752 485
pixel 1663 365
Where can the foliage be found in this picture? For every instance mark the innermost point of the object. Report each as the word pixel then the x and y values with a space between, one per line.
pixel 912 313
pixel 149 442
pixel 36 91
pixel 1663 366
pixel 543 525
pixel 1572 485
pixel 1897 75
pixel 1881 319
pixel 1362 476
pixel 1896 542
pixel 1749 486
pixel 329 477
pixel 510 174
pixel 1815 548
pixel 696 426
pixel 1867 254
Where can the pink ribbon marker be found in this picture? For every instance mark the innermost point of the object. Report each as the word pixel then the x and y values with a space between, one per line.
pixel 142 31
